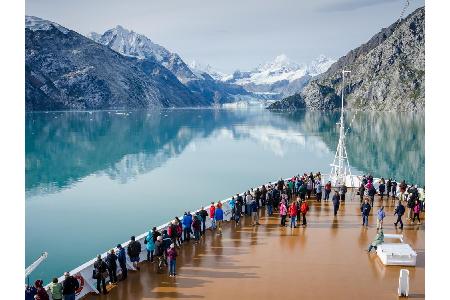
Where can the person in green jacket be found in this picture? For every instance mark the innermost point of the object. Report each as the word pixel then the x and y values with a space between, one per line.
pixel 379 239
pixel 56 289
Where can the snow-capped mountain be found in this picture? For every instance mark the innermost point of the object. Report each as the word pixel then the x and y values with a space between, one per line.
pixel 203 84
pixel 35 24
pixel 280 69
pixel 133 44
pixel 200 69
pixel 281 76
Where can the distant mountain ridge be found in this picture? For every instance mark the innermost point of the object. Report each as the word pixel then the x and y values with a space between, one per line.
pixel 387 73
pixel 200 83
pixel 65 70
pixel 280 77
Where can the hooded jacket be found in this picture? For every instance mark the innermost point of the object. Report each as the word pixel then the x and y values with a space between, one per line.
pixel 219 214
pixel 150 246
pixel 292 210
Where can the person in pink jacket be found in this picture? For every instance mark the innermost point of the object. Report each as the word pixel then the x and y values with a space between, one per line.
pixel 416 210
pixel 283 213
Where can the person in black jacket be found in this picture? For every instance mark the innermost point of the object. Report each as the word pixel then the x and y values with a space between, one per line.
pixel 133 251
pixel 361 191
pixel 238 209
pixel 101 273
pixel 388 187
pixel 112 265
pixel 70 286
pixel 371 192
pixel 365 210
pixel 336 202
pixel 399 211
pixel 203 214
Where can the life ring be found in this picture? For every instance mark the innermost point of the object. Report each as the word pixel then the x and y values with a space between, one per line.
pixel 80 281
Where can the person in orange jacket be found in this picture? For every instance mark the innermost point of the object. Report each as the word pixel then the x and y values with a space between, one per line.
pixel 304 207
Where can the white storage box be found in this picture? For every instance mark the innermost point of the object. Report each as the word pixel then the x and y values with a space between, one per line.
pixel 397 254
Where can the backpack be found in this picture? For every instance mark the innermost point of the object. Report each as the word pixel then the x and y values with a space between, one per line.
pixel 304 208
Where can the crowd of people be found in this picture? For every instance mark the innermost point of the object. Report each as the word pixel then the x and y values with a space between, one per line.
pixel 289 198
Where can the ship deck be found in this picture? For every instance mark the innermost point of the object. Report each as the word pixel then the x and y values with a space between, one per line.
pixel 325 260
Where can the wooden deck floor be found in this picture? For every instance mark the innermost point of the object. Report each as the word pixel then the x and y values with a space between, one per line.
pixel 325 260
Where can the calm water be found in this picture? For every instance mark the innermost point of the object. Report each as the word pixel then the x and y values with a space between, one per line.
pixel 95 178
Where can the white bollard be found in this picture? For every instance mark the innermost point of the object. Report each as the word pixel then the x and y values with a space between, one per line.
pixel 403 283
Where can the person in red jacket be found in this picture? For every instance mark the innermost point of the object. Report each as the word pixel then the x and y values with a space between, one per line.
pixel 304 209
pixel 212 212
pixel 293 213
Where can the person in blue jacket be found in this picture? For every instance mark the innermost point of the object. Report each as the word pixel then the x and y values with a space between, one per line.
pixel 218 216
pixel 150 246
pixel 187 223
pixel 122 259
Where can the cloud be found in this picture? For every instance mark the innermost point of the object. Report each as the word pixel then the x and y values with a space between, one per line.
pixel 350 5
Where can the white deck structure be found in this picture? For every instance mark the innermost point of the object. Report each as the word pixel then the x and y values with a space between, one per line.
pixel 396 254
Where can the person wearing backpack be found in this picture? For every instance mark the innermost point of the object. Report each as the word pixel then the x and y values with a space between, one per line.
pixel 111 258
pixel 56 289
pixel 122 259
pixel 133 251
pixel 365 211
pixel 304 208
pixel 159 251
pixel 150 246
pixel 101 273
pixel 172 232
pixel 399 211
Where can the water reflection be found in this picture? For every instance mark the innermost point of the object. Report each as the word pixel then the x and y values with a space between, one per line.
pixel 62 148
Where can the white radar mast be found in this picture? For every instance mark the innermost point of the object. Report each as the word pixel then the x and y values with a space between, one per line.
pixel 340 168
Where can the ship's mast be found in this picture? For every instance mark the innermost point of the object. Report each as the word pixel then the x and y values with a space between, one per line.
pixel 340 167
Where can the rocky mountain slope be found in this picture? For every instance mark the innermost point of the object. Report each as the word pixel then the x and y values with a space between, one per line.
pixel 65 70
pixel 200 83
pixel 387 73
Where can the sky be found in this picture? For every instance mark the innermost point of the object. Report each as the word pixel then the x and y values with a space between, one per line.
pixel 234 35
